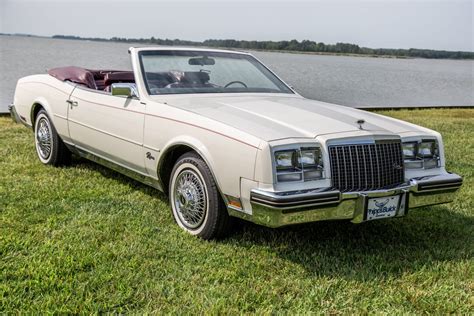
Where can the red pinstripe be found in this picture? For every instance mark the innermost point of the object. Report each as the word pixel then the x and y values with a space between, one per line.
pixel 158 116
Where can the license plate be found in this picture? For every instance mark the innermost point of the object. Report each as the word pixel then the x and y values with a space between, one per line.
pixel 382 207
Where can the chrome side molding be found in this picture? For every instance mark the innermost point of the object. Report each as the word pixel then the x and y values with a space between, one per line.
pixel 145 179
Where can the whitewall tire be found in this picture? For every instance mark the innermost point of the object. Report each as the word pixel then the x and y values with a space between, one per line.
pixel 49 147
pixel 196 203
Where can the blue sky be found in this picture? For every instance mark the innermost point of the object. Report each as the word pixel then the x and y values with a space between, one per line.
pixel 433 24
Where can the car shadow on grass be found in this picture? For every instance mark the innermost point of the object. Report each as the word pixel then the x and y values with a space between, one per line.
pixel 372 250
pixel 115 175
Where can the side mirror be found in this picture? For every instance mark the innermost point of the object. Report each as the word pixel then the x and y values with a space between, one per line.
pixel 128 90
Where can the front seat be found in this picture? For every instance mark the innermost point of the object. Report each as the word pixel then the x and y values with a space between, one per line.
pixel 190 79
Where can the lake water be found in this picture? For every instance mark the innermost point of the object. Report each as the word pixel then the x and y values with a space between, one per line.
pixel 351 81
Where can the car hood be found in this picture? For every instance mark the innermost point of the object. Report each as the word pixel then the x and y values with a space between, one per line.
pixel 279 117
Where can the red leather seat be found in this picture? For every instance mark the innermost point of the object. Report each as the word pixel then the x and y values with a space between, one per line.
pixel 92 79
pixel 114 77
pixel 100 84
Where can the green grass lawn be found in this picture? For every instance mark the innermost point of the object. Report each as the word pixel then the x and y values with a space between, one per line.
pixel 84 239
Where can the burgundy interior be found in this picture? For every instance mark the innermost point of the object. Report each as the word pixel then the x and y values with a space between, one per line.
pixel 102 79
pixel 92 79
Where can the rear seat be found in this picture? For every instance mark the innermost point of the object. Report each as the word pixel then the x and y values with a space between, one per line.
pixel 99 77
pixel 92 79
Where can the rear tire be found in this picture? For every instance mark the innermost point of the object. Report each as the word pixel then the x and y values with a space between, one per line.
pixel 196 204
pixel 50 148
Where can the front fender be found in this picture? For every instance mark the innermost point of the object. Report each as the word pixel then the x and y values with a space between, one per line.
pixel 228 161
pixel 187 141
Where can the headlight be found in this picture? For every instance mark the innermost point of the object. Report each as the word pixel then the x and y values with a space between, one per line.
pixel 302 164
pixel 286 160
pixel 422 154
pixel 427 149
pixel 409 150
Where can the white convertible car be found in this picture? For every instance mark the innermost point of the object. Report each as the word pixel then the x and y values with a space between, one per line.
pixel 225 137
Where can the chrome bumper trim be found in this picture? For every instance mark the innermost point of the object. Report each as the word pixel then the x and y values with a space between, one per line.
pixel 295 199
pixel 13 114
pixel 276 209
pixel 16 117
pixel 450 181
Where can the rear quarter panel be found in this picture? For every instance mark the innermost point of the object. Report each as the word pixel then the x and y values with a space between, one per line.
pixel 48 92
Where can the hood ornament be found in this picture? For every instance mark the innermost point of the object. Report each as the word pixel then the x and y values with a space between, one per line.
pixel 360 122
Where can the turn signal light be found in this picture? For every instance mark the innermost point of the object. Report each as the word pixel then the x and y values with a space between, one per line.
pixel 234 202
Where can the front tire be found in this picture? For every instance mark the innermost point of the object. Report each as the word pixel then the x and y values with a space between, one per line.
pixel 196 204
pixel 50 148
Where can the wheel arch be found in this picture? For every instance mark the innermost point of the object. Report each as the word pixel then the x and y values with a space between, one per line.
pixel 175 149
pixel 38 104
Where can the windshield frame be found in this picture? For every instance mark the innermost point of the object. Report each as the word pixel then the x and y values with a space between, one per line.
pixel 268 73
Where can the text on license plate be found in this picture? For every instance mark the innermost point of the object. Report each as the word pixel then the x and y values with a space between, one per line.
pixel 382 207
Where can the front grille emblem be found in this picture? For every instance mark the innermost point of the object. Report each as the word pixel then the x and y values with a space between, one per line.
pixel 397 166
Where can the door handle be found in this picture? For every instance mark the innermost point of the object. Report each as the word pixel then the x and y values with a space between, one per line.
pixel 72 103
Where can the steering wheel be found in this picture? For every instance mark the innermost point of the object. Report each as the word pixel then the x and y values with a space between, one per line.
pixel 234 82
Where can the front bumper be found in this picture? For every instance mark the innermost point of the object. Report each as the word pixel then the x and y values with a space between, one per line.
pixel 276 209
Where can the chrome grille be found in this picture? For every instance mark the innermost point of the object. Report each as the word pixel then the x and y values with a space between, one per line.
pixel 365 167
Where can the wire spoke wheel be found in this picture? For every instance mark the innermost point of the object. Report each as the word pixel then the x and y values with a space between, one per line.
pixel 196 204
pixel 190 198
pixel 43 138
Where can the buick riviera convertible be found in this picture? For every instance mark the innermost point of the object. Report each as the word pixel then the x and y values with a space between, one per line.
pixel 224 137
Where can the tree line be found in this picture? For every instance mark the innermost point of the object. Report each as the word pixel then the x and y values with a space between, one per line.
pixel 290 46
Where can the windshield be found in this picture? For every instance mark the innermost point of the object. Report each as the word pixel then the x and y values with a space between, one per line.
pixel 177 72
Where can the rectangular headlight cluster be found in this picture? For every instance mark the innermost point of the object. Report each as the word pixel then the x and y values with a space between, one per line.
pixel 303 164
pixel 422 154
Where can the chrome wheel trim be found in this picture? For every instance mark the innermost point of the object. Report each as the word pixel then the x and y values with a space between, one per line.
pixel 190 199
pixel 43 138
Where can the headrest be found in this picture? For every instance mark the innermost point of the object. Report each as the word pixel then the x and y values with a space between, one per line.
pixel 196 77
pixel 190 76
pixel 123 76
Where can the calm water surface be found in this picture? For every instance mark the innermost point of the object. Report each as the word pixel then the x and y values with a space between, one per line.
pixel 351 81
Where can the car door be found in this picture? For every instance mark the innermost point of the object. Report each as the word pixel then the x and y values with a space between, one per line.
pixel 110 127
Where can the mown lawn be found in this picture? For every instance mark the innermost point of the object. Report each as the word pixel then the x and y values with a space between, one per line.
pixel 86 239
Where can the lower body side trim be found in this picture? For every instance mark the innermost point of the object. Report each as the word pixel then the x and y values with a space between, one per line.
pixel 140 177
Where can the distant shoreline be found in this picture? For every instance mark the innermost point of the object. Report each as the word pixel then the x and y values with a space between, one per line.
pixel 337 54
pixel 292 47
pixel 354 82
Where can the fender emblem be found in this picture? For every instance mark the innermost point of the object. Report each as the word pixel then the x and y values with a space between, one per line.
pixel 149 156
pixel 360 122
